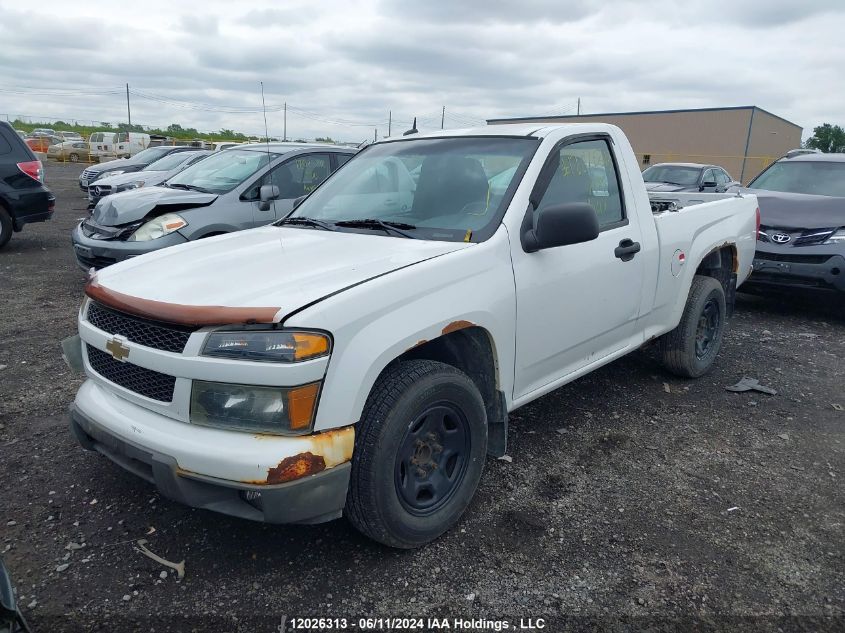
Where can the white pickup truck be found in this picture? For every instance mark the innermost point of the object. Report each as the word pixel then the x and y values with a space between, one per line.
pixel 360 356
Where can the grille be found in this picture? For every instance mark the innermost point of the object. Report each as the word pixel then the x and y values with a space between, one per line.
pixel 145 382
pixel 95 261
pixel 163 336
pixel 795 259
pixel 87 173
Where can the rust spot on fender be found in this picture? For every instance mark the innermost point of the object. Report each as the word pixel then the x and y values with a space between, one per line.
pixel 177 312
pixel 296 467
pixel 454 326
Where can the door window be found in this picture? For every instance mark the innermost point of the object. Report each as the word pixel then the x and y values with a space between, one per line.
pixel 709 177
pixel 586 173
pixel 297 177
pixel 722 177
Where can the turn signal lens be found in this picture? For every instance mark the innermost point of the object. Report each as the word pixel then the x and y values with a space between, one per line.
pixel 301 404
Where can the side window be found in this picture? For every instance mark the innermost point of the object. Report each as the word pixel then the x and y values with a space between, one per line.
pixel 586 173
pixel 709 176
pixel 722 177
pixel 294 178
pixel 342 159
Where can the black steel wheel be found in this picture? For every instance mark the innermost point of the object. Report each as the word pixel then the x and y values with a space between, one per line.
pixel 419 453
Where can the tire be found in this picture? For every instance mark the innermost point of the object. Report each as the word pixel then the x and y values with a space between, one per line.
pixel 691 348
pixel 6 227
pixel 419 453
pixel 74 157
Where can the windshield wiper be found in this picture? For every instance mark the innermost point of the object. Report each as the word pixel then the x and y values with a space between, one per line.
pixel 387 227
pixel 306 221
pixel 179 185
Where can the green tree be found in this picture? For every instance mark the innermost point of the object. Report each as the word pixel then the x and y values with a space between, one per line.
pixel 827 138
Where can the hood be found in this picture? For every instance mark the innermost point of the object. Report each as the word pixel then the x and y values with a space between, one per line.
pixel 118 163
pixel 665 187
pixel 122 179
pixel 136 204
pixel 261 275
pixel 799 210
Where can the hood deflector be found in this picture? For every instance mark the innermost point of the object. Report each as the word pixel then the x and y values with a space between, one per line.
pixel 179 313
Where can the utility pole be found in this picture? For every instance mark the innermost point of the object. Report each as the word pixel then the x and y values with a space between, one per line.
pixel 285 133
pixel 389 122
pixel 579 106
pixel 128 111
pixel 443 117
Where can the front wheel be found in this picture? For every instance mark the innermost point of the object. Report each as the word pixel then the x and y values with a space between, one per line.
pixel 74 158
pixel 419 453
pixel 691 348
pixel 5 227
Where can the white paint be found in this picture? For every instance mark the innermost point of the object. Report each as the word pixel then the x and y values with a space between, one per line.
pixel 551 316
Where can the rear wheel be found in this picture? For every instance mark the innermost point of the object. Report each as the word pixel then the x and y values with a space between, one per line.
pixel 74 157
pixel 5 227
pixel 419 453
pixel 691 348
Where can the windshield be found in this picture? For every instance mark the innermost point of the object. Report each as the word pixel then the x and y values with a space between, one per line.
pixel 171 161
pixel 222 171
pixel 150 154
pixel 674 174
pixel 452 189
pixel 813 177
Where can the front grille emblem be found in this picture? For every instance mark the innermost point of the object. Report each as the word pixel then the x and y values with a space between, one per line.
pixel 781 238
pixel 117 349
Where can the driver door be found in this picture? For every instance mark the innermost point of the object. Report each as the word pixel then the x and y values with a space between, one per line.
pixel 295 178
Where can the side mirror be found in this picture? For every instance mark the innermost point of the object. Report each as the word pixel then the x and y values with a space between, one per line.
pixel 265 194
pixel 708 184
pixel 559 225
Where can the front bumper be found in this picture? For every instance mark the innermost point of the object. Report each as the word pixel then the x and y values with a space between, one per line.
pixel 101 253
pixel 812 272
pixel 312 499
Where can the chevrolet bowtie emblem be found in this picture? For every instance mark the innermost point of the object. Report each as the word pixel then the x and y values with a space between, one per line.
pixel 117 349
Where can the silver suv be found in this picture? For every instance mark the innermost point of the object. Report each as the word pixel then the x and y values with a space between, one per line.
pixel 238 188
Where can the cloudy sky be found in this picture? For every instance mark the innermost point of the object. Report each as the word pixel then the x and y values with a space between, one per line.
pixel 342 66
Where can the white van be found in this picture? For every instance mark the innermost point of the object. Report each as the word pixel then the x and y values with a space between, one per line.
pixel 108 145
pixel 101 145
pixel 130 143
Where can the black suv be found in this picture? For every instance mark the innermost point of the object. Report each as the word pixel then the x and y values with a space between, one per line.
pixel 23 196
pixel 128 165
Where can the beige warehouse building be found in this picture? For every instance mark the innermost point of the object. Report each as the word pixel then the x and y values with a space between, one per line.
pixel 744 140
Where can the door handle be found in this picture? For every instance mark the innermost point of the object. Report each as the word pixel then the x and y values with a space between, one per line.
pixel 627 249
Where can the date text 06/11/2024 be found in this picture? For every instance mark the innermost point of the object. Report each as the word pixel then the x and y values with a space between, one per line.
pixel 410 624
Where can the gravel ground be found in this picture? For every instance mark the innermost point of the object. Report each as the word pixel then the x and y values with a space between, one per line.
pixel 633 499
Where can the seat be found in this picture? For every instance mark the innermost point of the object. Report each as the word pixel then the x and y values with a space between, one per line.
pixel 447 185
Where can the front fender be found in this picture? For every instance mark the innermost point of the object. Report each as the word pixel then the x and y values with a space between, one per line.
pixel 376 322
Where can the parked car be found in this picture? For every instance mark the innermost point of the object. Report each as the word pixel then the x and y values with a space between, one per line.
pixel 41 144
pixel 801 246
pixel 126 165
pixel 221 145
pixel 687 177
pixel 43 131
pixel 361 355
pixel 151 175
pixel 69 136
pixel 73 151
pixel 23 196
pixel 220 194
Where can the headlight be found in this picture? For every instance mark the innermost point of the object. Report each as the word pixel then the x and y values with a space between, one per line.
pixel 283 410
pixel 158 227
pixel 836 238
pixel 274 346
pixel 130 185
